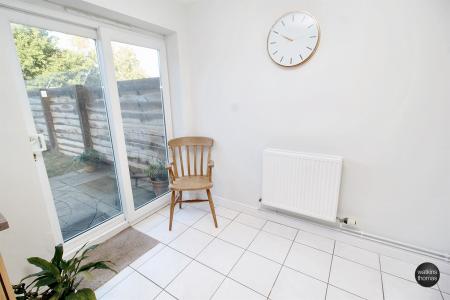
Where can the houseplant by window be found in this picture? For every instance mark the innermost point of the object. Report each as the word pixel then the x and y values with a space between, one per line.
pixel 92 159
pixel 158 177
pixel 59 278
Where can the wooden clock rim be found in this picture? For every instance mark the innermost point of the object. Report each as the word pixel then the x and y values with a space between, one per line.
pixel 315 48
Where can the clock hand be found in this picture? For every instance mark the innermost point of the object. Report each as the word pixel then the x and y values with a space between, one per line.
pixel 289 39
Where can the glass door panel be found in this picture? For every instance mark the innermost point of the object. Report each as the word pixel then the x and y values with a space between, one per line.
pixel 65 95
pixel 137 72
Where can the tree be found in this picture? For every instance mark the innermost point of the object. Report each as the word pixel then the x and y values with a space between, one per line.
pixel 126 64
pixel 35 50
pixel 44 63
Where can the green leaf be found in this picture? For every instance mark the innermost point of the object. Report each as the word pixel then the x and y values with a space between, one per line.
pixel 78 251
pixel 83 294
pixel 96 265
pixel 45 266
pixel 35 275
pixel 45 281
pixel 57 257
pixel 88 249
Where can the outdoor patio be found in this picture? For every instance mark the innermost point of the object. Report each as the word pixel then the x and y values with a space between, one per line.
pixel 85 199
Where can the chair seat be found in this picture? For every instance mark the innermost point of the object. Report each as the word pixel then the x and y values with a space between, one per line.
pixel 191 183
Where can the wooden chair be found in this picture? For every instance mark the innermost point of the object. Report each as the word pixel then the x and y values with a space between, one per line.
pixel 190 151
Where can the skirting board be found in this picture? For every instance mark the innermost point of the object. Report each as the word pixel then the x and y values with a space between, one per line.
pixel 379 244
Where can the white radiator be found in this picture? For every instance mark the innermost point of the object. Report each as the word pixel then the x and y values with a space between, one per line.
pixel 302 183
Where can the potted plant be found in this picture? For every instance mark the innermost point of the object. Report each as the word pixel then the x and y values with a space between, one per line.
pixel 158 177
pixel 59 278
pixel 91 158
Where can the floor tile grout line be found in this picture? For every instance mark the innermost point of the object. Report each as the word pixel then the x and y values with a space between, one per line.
pixel 193 259
pixel 162 288
pixel 275 213
pixel 237 261
pixel 358 263
pixel 226 275
pixel 339 288
pixel 167 245
pixel 381 277
pixel 306 274
pixel 408 262
pixel 246 249
pixel 323 236
pixel 333 254
pixel 110 289
pixel 329 272
pixel 282 264
pixel 410 281
pixel 313 247
pixel 148 258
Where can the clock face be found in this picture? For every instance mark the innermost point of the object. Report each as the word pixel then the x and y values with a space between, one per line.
pixel 293 39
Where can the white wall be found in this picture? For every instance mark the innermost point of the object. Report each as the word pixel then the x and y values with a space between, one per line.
pixel 376 92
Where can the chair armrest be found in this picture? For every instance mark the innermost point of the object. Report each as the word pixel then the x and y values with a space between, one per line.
pixel 169 168
pixel 210 166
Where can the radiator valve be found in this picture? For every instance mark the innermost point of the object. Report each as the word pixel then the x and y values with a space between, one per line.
pixel 347 221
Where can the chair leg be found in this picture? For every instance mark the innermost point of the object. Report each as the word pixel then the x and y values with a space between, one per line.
pixel 211 205
pixel 172 206
pixel 181 198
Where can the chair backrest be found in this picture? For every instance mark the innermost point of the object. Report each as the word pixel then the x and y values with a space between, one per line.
pixel 192 152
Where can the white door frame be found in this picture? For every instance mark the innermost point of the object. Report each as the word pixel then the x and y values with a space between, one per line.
pixel 103 34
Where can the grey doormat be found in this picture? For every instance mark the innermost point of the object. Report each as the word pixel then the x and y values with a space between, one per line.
pixel 122 249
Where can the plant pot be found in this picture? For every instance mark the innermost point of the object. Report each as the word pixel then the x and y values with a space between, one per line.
pixel 159 187
pixel 89 168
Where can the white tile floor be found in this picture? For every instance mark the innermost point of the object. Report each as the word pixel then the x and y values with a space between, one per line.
pixel 249 257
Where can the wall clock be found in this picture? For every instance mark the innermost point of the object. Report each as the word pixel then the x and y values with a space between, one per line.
pixel 293 39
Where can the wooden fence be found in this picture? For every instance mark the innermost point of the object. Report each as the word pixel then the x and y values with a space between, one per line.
pixel 73 119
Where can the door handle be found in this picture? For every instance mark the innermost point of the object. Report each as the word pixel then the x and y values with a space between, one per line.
pixel 38 143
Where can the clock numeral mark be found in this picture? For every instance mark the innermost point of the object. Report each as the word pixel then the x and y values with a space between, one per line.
pixel 303 19
pixel 309 48
pixel 275 52
pixel 290 61
pixel 281 59
pixel 282 22
pixel 313 36
pixel 274 31
pixel 293 18
pixel 273 43
pixel 310 25
pixel 301 57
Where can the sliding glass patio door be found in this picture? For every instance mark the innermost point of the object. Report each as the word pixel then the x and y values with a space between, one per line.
pixel 63 83
pixel 140 76
pixel 137 73
pixel 96 108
